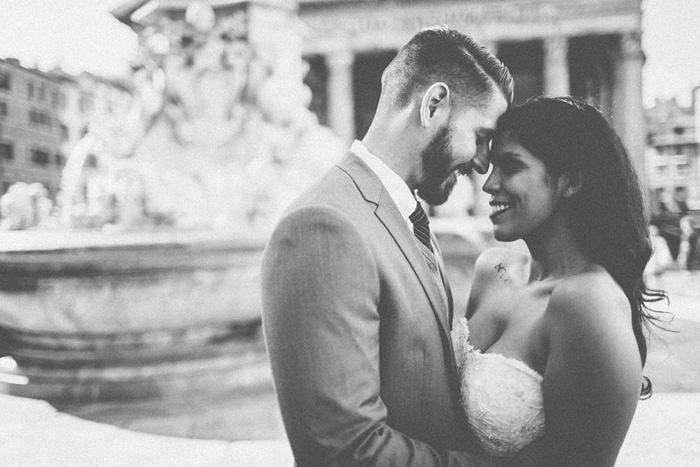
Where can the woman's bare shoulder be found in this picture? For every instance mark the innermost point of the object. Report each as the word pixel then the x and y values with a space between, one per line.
pixel 589 291
pixel 588 303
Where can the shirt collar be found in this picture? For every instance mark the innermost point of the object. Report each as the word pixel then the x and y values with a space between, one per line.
pixel 395 186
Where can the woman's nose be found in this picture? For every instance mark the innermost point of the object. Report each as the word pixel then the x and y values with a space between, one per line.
pixel 491 183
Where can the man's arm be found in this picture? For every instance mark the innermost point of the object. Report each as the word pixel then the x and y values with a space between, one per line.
pixel 320 296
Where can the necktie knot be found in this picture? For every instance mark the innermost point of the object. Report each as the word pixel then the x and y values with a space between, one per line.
pixel 421 226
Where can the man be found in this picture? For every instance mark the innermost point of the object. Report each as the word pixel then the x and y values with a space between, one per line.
pixel 356 311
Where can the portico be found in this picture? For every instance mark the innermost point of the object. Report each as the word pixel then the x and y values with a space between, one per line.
pixel 589 49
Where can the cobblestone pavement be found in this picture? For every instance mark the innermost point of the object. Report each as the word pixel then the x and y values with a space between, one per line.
pixel 665 432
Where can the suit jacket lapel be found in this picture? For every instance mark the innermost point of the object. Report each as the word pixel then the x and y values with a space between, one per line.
pixel 395 224
pixel 372 189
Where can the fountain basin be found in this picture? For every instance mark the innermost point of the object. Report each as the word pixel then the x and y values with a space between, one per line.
pixel 90 282
pixel 90 316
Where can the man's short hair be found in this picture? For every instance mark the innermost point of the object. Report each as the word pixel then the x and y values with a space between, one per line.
pixel 441 54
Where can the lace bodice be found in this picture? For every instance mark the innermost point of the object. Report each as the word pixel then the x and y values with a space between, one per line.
pixel 502 397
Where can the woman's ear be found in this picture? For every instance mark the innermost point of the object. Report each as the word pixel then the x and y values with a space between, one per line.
pixel 435 104
pixel 572 179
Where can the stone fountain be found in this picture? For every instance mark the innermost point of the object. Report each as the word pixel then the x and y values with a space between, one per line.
pixel 143 280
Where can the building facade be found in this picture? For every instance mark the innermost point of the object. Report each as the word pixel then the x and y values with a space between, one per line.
pixel 673 154
pixel 31 132
pixel 588 48
pixel 43 115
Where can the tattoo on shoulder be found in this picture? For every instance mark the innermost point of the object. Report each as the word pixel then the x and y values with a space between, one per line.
pixel 502 272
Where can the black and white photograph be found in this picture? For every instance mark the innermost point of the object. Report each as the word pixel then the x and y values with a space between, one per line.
pixel 350 233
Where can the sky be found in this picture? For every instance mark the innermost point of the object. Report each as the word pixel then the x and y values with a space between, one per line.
pixel 82 35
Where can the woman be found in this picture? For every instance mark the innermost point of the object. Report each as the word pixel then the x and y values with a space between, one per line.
pixel 554 347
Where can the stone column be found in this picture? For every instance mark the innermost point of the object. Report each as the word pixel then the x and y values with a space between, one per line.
pixel 341 101
pixel 629 108
pixel 696 112
pixel 556 66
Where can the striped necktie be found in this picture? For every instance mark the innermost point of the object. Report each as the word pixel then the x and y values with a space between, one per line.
pixel 421 227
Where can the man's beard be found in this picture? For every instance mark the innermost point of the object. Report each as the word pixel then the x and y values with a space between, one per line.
pixel 437 159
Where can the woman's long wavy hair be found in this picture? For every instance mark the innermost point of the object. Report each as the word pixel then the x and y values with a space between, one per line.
pixel 607 216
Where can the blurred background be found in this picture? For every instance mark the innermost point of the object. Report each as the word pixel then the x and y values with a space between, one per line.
pixel 147 147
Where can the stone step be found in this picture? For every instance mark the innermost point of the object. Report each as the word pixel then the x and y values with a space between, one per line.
pixel 74 369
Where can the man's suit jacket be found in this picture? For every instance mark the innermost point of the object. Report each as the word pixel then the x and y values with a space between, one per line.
pixel 357 333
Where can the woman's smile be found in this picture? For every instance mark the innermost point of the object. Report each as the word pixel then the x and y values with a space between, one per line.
pixel 498 207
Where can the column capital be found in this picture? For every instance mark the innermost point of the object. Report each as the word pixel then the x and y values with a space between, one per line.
pixel 631 46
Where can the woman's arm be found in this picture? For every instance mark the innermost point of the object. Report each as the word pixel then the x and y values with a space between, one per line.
pixel 489 266
pixel 593 375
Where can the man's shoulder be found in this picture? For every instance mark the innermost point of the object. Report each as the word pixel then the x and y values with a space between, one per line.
pixel 334 189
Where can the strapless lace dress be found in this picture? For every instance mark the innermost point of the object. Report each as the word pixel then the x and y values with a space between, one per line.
pixel 502 397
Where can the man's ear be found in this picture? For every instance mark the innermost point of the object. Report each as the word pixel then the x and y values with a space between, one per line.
pixel 573 181
pixel 435 106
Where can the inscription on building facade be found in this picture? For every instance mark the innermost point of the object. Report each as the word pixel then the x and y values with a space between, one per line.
pixel 471 16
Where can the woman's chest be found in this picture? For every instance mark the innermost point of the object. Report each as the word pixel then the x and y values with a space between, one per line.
pixel 513 323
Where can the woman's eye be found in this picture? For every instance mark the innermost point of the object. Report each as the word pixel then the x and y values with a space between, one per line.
pixel 510 167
